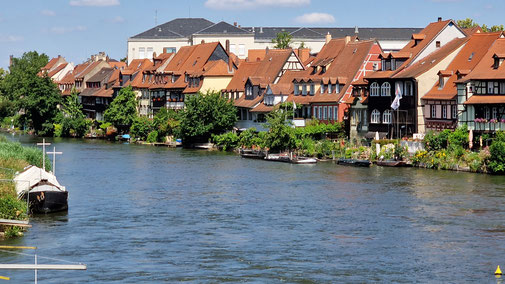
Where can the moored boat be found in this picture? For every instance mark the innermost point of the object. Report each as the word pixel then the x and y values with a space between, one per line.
pixel 353 162
pixel 252 154
pixel 392 163
pixel 44 193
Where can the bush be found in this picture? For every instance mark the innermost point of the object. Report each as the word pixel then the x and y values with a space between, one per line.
pixel 141 127
pixel 12 208
pixel 228 140
pixel 152 137
pixel 458 140
pixel 434 141
pixel 497 159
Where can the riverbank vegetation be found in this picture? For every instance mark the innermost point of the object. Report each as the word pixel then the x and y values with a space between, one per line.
pixel 14 158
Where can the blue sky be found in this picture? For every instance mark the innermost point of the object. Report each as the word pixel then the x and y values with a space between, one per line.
pixel 77 28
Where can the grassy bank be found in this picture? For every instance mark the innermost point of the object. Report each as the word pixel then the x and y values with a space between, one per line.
pixel 14 158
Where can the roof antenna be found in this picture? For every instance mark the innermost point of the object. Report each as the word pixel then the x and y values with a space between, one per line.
pixel 156 17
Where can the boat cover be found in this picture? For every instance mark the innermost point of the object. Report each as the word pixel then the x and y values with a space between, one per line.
pixel 31 176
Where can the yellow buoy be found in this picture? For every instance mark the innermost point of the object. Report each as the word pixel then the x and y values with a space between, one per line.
pixel 498 271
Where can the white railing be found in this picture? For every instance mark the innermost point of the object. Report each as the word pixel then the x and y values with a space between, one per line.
pixel 175 105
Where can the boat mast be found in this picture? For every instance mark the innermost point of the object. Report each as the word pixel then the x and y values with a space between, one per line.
pixel 43 144
pixel 54 158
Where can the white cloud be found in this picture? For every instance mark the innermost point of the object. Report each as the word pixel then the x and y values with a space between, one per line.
pixel 251 4
pixel 100 3
pixel 10 38
pixel 315 18
pixel 117 20
pixel 48 13
pixel 64 30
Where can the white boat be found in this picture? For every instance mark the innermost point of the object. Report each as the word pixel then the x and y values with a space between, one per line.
pixel 43 191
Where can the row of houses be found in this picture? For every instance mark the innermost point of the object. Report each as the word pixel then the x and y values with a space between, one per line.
pixel 444 76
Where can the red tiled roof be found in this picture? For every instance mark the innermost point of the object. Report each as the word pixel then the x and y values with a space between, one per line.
pixel 418 36
pixel 468 57
pixel 485 99
pixel 57 69
pixel 51 63
pixel 245 103
pixel 217 68
pixel 245 69
pixel 485 67
pixel 262 108
pixel 431 60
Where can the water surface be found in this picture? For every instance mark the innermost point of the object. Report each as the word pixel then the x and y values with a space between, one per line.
pixel 141 214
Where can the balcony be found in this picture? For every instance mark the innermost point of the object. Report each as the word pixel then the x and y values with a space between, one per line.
pixel 175 105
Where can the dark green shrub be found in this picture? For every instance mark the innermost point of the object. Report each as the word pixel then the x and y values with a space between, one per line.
pixel 497 160
pixel 227 141
pixel 152 137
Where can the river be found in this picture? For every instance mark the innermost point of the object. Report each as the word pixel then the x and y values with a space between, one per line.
pixel 140 214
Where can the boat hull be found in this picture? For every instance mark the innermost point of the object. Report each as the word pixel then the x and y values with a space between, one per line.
pixel 48 201
pixel 353 162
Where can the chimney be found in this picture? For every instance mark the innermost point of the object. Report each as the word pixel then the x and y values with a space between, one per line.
pixel 347 39
pixel 328 37
pixel 303 54
pixel 253 29
pixel 266 50
pixel 439 19
pixel 203 41
pixel 261 30
pixel 230 65
pixel 154 54
pixel 356 31
pixel 227 46
pixel 235 24
pixel 239 26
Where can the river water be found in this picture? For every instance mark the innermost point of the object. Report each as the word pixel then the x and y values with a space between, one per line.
pixel 140 214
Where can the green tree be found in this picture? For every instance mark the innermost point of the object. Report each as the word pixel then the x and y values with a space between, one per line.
pixel 72 121
pixel 467 23
pixel 39 104
pixel 122 112
pixel 280 135
pixel 283 40
pixel 494 28
pixel 21 73
pixel 205 115
pixel 166 122
pixel 141 127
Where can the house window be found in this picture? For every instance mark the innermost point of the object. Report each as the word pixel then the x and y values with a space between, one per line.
pixel 248 91
pixel 454 111
pixel 386 117
pixel 330 113
pixel 232 48
pixel 315 112
pixel 322 88
pixel 374 89
pixel 408 88
pixel 494 113
pixel 335 112
pixel 320 112
pixel 433 111
pixel 492 87
pixel 376 116
pixel 386 89
pixel 437 44
pixel 150 52
pixel 142 52
pixel 337 88
pixel 441 82
pixel 241 49
pixel 304 89
pixel 329 88
pixel 169 49
pixel 297 89
pixel 312 89
pixel 444 111
pixel 487 113
pixel 502 88
pixel 325 112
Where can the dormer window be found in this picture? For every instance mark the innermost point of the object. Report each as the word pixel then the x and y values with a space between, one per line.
pixel 297 89
pixel 322 88
pixel 312 89
pixel 323 69
pixel 498 60
pixel 314 70
pixel 329 88
pixel 304 89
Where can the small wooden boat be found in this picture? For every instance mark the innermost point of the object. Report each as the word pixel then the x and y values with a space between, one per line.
pixel 252 154
pixel 353 162
pixel 43 191
pixel 303 160
pixel 392 163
